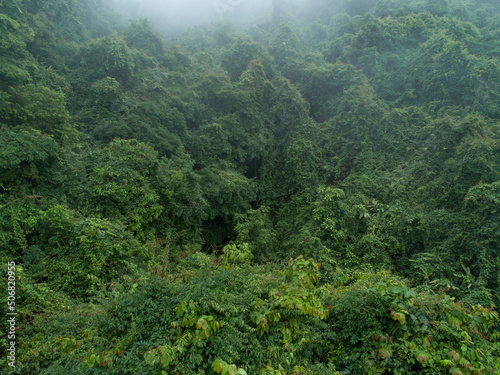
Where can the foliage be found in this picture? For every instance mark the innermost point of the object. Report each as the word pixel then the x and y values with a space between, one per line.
pixel 121 180
pixel 41 108
pixel 25 154
pixel 17 64
pixel 276 320
pixel 80 255
pixel 109 56
pixel 384 324
pixel 168 203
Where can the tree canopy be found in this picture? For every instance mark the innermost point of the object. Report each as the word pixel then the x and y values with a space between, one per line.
pixel 315 194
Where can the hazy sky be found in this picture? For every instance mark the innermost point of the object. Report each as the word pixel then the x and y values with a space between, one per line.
pixel 187 13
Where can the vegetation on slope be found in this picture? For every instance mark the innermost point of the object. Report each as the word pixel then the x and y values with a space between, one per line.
pixel 168 206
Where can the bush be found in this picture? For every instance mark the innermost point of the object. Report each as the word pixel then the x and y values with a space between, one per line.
pixel 76 254
pixel 382 324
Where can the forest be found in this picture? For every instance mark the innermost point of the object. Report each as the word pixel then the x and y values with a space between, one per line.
pixel 314 193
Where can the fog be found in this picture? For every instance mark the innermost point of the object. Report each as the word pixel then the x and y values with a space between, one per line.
pixel 179 15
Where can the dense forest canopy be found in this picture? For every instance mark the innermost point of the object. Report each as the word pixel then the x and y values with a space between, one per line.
pixel 317 192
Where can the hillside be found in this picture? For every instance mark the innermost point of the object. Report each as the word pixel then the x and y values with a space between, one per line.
pixel 317 193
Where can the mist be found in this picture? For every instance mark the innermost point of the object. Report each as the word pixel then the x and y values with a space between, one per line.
pixel 179 15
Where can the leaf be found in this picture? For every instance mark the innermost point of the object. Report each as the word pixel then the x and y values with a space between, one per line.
pixel 446 362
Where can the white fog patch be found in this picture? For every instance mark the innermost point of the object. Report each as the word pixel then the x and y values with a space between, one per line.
pixel 183 14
